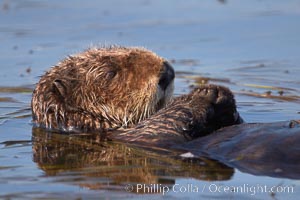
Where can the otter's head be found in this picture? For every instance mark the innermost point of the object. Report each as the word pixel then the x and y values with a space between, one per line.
pixel 120 86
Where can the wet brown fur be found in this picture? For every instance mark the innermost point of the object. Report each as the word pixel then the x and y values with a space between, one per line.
pixel 100 88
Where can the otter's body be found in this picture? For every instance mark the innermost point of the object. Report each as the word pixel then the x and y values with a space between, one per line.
pixel 270 149
pixel 102 88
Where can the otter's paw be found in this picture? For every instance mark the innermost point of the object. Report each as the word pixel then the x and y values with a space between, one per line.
pixel 222 101
pixel 216 94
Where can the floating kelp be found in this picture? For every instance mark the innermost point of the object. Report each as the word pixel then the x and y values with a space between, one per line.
pixel 269 95
pixel 200 80
pixel 8 99
pixel 268 87
pixel 20 89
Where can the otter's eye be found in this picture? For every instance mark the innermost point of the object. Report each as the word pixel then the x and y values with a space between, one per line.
pixel 110 75
pixel 59 87
pixel 167 75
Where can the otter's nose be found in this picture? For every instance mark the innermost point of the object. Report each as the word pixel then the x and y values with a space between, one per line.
pixel 167 76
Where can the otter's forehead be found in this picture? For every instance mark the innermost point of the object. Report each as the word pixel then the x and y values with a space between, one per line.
pixel 120 51
pixel 119 55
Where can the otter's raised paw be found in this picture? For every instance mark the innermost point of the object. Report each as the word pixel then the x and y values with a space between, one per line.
pixel 216 94
pixel 222 101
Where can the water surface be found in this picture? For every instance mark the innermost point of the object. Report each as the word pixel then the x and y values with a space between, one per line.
pixel 250 46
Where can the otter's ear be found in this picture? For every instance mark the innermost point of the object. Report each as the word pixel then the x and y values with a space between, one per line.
pixel 59 87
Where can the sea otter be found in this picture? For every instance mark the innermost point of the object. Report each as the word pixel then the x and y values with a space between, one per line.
pixel 107 88
pixel 102 88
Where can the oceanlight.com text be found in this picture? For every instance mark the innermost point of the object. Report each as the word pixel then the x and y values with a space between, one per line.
pixel 210 188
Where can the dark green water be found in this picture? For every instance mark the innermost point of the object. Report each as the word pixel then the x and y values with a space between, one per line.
pixel 250 46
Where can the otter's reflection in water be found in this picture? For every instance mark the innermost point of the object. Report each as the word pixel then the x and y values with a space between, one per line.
pixel 87 161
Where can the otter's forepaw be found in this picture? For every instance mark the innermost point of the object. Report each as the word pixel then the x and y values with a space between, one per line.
pixel 215 94
pixel 220 105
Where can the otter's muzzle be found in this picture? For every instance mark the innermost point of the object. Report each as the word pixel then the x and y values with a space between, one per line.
pixel 167 76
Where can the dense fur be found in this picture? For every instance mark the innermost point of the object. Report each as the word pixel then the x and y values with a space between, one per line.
pixel 102 88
